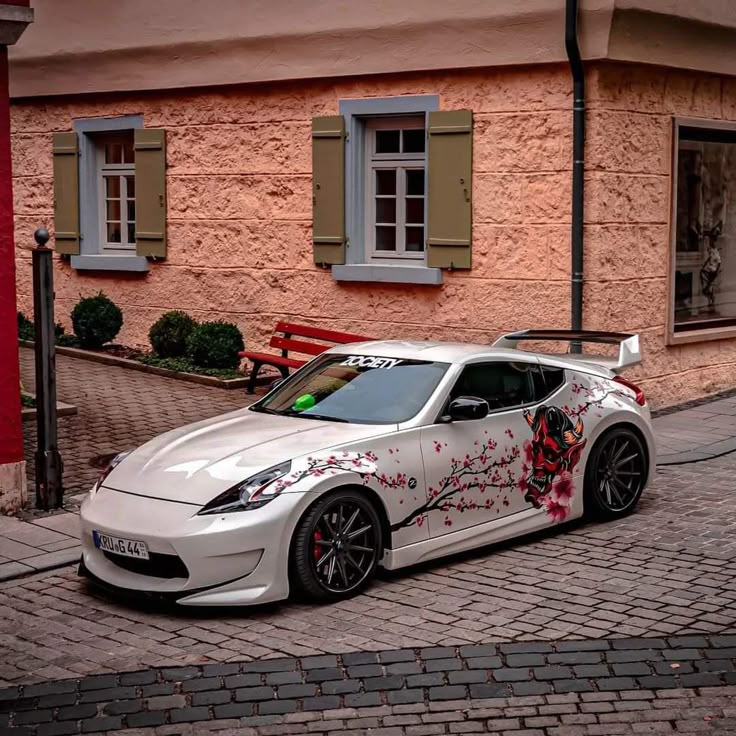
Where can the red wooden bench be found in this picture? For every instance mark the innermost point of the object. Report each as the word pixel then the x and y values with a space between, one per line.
pixel 286 343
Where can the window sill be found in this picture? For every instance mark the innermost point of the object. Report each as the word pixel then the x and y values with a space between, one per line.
pixel 387 274
pixel 690 336
pixel 105 262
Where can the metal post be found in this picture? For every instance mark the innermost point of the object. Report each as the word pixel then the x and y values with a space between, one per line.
pixel 49 467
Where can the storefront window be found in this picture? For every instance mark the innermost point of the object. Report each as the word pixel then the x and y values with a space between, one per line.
pixel 705 229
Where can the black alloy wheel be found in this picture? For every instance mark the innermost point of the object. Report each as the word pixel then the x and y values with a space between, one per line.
pixel 336 547
pixel 616 474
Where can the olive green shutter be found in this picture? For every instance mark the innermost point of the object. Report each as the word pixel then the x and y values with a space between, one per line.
pixel 150 192
pixel 328 189
pixel 450 167
pixel 66 193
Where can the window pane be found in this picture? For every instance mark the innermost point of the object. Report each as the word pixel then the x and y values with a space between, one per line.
pixel 131 210
pixel 113 153
pixel 705 230
pixel 128 155
pixel 385 238
pixel 500 384
pixel 385 210
pixel 414 141
pixel 113 186
pixel 415 181
pixel 415 239
pixel 386 181
pixel 131 232
pixel 388 141
pixel 113 232
pixel 130 180
pixel 415 210
pixel 113 209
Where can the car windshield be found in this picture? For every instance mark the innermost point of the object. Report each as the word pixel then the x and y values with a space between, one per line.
pixel 364 389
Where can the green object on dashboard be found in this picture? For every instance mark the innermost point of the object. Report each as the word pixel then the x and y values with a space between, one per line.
pixel 304 402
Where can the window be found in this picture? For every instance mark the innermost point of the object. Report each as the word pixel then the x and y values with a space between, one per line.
pixel 361 389
pixel 110 194
pixel 395 190
pixel 392 190
pixel 116 189
pixel 703 295
pixel 546 380
pixel 502 385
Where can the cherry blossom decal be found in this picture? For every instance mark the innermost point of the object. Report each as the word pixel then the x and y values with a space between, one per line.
pixel 484 478
pixel 479 471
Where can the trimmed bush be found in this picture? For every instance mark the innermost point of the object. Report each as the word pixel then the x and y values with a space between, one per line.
pixel 215 345
pixel 169 334
pixel 96 320
pixel 27 330
pixel 25 327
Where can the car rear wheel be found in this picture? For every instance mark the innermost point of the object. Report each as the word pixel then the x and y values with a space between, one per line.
pixel 616 474
pixel 336 547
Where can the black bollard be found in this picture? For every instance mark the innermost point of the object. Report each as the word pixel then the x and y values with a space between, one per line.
pixel 49 467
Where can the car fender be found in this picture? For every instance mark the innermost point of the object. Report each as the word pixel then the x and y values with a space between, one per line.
pixel 625 415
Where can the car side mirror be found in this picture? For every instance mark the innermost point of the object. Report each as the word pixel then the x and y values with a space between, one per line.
pixel 464 408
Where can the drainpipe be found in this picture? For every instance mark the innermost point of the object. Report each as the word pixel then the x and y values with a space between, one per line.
pixel 578 165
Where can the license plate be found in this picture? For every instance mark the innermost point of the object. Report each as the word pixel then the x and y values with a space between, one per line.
pixel 120 546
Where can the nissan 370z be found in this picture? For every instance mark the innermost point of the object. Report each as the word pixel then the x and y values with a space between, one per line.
pixel 379 453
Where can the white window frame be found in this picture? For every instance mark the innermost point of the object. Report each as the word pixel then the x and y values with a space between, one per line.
pixel 400 162
pixel 104 170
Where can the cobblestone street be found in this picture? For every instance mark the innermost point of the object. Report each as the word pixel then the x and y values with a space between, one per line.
pixel 626 627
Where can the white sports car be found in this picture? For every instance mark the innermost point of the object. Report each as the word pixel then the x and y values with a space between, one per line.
pixel 379 453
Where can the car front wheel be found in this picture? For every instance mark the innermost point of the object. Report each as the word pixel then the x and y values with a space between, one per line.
pixel 336 547
pixel 616 474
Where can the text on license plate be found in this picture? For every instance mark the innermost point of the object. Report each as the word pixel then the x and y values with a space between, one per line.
pixel 120 546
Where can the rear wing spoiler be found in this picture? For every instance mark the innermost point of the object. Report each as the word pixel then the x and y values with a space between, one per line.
pixel 628 353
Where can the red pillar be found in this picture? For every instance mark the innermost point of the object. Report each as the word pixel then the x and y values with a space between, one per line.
pixel 11 432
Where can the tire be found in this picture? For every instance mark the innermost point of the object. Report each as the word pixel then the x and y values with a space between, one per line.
pixel 615 475
pixel 336 547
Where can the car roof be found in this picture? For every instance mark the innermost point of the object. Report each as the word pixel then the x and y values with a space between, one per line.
pixel 461 352
pixel 441 352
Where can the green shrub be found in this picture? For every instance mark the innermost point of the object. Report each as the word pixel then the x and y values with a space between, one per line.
pixel 169 334
pixel 215 345
pixel 96 320
pixel 25 327
pixel 27 330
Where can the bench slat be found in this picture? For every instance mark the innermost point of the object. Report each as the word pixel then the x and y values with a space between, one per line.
pixel 319 334
pixel 269 359
pixel 297 346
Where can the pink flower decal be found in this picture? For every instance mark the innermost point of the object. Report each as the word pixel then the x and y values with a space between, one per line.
pixel 557 511
pixel 564 487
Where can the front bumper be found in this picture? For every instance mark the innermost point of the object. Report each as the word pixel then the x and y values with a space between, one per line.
pixel 229 559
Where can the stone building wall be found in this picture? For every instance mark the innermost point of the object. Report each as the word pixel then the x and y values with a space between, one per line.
pixel 239 209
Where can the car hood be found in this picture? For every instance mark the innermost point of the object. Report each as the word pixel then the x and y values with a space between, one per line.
pixel 195 463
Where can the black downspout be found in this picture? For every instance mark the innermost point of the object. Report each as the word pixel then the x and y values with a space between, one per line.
pixel 578 165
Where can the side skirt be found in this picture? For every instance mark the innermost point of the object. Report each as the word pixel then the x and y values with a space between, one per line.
pixel 491 532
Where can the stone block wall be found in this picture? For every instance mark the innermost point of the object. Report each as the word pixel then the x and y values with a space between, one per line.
pixel 239 211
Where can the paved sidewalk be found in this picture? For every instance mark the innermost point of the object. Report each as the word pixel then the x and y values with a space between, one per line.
pixel 39 544
pixel 700 432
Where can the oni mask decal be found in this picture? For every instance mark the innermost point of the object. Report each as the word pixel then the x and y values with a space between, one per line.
pixel 555 449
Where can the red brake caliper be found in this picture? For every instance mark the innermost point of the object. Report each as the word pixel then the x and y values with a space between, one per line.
pixel 317 549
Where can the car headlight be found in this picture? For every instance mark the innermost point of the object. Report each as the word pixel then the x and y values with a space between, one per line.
pixel 251 493
pixel 115 461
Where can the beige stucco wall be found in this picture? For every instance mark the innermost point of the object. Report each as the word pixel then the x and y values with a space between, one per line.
pixel 239 201
pixel 78 46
